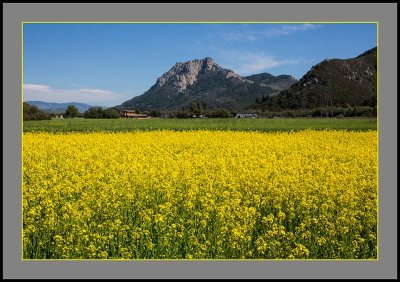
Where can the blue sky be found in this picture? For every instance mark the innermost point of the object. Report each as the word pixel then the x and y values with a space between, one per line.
pixel 107 64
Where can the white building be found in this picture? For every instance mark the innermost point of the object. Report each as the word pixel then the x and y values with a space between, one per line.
pixel 246 116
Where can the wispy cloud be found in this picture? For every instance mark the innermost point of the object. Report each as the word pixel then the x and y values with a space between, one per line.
pixel 237 35
pixel 247 62
pixel 46 93
pixel 301 27
pixel 279 30
pixel 289 29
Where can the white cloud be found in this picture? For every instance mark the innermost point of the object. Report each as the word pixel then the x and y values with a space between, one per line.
pixel 252 62
pixel 289 29
pixel 39 92
pixel 301 27
pixel 252 35
pixel 239 36
pixel 36 87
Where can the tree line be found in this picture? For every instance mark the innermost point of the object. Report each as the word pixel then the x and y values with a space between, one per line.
pixel 32 112
pixel 281 105
pixel 199 110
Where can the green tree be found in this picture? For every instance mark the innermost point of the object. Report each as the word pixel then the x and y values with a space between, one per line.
pixel 203 106
pixel 99 112
pixel 155 113
pixel 195 108
pixel 94 112
pixel 32 112
pixel 182 114
pixel 111 113
pixel 71 111
pixel 220 113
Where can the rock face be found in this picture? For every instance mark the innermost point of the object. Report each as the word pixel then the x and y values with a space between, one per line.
pixel 201 81
pixel 333 82
pixel 183 75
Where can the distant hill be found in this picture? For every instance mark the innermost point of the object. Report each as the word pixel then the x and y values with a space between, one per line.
pixel 278 83
pixel 204 81
pixel 58 107
pixel 332 82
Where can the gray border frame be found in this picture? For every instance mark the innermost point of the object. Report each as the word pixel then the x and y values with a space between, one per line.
pixel 385 14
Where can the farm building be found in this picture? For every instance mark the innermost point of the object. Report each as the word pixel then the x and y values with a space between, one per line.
pixel 58 117
pixel 132 114
pixel 246 116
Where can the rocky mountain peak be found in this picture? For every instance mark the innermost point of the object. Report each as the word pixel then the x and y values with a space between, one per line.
pixel 202 80
pixel 181 75
pixel 208 63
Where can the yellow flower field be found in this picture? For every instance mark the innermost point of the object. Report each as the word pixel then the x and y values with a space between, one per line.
pixel 200 195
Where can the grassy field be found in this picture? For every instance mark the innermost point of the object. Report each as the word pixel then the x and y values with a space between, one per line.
pixel 278 124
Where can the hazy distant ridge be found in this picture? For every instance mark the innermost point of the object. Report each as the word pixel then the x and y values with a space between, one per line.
pixel 59 107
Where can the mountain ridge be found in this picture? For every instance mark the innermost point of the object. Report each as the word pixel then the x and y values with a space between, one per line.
pixel 331 83
pixel 202 81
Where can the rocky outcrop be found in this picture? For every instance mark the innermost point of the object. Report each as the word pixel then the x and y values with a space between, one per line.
pixel 202 81
pixel 182 75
